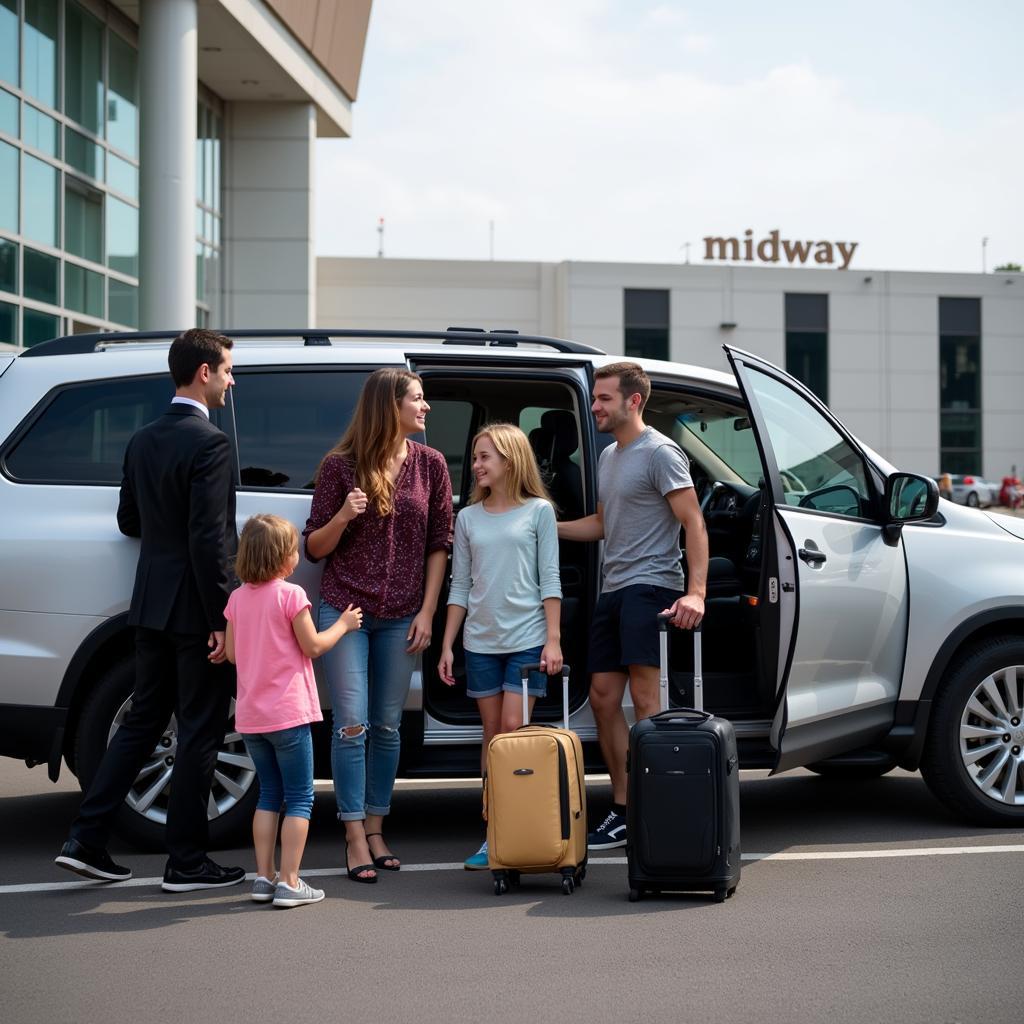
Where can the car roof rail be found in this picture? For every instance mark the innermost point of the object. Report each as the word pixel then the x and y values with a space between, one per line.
pixel 78 344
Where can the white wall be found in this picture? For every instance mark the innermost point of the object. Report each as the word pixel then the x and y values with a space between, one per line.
pixel 883 329
pixel 270 263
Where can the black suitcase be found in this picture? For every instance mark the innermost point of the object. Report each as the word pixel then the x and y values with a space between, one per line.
pixel 683 807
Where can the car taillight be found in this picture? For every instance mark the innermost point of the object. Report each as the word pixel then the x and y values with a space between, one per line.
pixel 968 480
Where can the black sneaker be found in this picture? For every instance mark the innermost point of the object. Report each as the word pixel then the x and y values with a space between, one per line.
pixel 609 834
pixel 207 876
pixel 89 863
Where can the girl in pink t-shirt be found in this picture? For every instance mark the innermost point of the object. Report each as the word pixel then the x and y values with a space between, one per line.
pixel 271 639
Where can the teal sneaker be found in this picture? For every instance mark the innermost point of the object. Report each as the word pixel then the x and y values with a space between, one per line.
pixel 478 862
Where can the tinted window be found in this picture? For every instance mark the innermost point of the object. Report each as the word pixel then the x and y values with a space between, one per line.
pixel 81 435
pixel 287 421
pixel 449 423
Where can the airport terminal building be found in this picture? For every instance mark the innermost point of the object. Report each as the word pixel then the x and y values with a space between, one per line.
pixel 156 159
pixel 926 368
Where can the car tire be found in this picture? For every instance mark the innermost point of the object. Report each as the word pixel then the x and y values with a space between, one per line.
pixel 972 499
pixel 973 758
pixel 851 772
pixel 141 818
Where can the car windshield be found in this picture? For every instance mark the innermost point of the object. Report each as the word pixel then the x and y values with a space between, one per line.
pixel 718 437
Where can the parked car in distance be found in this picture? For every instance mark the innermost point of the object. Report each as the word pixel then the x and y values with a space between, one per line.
pixel 970 489
pixel 820 549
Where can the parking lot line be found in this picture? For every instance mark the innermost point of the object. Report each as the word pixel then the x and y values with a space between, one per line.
pixel 782 855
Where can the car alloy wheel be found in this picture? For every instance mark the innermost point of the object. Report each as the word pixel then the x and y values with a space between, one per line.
pixel 992 736
pixel 233 776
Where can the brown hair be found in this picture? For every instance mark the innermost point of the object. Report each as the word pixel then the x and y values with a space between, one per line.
pixel 191 349
pixel 265 543
pixel 373 436
pixel 632 379
pixel 512 445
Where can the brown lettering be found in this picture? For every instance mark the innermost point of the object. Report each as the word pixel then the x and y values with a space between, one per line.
pixel 846 250
pixel 772 241
pixel 748 245
pixel 796 250
pixel 823 253
pixel 710 244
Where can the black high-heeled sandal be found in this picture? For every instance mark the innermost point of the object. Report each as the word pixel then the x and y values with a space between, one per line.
pixel 355 873
pixel 381 861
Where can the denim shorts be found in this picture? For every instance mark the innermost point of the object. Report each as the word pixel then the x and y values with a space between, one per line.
pixel 284 765
pixel 489 674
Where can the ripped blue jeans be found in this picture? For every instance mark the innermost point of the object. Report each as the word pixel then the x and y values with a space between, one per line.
pixel 368 672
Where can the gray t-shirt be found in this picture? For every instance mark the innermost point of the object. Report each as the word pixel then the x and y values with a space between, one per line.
pixel 641 533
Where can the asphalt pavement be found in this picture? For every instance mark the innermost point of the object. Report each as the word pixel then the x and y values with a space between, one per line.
pixel 859 902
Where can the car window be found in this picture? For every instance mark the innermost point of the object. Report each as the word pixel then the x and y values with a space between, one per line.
pixel 287 420
pixel 818 468
pixel 81 435
pixel 449 423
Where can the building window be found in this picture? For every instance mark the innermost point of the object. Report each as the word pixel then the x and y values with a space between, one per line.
pixel 960 385
pixel 807 341
pixel 209 146
pixel 646 320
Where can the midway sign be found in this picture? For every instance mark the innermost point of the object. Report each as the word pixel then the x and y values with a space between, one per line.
pixel 774 250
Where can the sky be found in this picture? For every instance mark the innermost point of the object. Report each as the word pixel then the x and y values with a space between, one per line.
pixel 620 130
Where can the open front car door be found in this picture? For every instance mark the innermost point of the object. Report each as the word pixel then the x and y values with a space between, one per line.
pixel 842 577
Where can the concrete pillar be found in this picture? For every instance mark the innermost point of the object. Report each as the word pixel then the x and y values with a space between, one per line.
pixel 270 262
pixel 168 71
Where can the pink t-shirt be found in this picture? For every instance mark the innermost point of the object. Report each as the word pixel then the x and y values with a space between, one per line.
pixel 276 687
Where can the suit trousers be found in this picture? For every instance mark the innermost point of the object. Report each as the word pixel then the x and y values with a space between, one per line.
pixel 173 675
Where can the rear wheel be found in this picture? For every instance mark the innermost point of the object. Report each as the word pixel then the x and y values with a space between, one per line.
pixel 141 820
pixel 972 499
pixel 974 753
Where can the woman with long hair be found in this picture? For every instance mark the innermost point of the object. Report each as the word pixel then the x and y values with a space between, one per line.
pixel 382 517
pixel 505 586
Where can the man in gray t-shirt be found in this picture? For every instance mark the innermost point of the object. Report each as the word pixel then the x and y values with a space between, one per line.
pixel 645 494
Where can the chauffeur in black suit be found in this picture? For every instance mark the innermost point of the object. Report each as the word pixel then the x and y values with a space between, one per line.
pixel 178 496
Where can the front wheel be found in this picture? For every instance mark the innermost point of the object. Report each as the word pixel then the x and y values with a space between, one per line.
pixel 972 499
pixel 143 816
pixel 973 758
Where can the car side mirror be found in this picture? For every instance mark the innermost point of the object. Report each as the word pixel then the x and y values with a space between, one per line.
pixel 909 498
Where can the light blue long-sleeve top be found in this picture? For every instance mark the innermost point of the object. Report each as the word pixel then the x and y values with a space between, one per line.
pixel 504 565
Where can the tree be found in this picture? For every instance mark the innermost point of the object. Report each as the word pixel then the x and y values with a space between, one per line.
pixel 1008 268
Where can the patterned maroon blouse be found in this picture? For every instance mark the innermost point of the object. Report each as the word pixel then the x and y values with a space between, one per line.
pixel 379 563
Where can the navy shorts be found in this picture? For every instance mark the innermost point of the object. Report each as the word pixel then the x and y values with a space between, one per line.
pixel 625 627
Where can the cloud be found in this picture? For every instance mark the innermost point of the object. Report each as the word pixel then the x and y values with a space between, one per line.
pixel 587 133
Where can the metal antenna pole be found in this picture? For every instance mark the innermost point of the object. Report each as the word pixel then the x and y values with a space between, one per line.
pixel 984 245
pixel 380 238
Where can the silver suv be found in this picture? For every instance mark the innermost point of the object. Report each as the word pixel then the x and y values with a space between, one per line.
pixel 854 621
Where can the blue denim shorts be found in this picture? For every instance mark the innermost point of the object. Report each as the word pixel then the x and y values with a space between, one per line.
pixel 489 674
pixel 284 765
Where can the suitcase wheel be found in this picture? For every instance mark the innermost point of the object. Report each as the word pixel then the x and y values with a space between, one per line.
pixel 501 883
pixel 634 895
pixel 568 886
pixel 721 895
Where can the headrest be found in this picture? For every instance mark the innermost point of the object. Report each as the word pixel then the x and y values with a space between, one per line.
pixel 561 425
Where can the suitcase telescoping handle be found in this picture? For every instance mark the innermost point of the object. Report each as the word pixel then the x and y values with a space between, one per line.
pixel 525 674
pixel 698 674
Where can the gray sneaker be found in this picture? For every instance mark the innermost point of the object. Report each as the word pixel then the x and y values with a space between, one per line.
pixel 286 896
pixel 263 889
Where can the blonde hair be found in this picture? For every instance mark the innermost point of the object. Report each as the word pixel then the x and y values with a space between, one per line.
pixel 521 469
pixel 374 434
pixel 265 543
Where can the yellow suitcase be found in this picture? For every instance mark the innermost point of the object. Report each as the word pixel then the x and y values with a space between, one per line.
pixel 535 801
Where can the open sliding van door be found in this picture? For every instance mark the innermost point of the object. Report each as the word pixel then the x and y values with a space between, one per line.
pixel 842 585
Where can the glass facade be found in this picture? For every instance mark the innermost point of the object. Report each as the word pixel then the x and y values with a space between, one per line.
pixel 646 322
pixel 807 341
pixel 960 385
pixel 69 173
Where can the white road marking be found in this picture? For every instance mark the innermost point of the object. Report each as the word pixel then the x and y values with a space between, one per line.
pixel 783 855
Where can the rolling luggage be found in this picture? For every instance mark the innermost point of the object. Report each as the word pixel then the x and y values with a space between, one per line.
pixel 534 800
pixel 683 807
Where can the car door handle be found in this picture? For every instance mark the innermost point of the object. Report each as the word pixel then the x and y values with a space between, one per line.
pixel 812 556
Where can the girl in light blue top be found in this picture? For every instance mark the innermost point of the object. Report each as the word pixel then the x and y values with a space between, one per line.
pixel 505 586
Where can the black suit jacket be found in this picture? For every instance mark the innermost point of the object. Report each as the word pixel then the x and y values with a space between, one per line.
pixel 178 495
